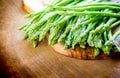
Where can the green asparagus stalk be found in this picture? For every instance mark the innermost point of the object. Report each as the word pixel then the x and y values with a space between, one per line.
pixel 68 41
pixel 92 19
pixel 110 41
pixel 99 41
pixel 58 28
pixel 77 34
pixel 107 49
pixel 35 43
pixel 88 8
pixel 67 30
pixel 81 36
pixel 96 52
pixel 74 13
pixel 96 4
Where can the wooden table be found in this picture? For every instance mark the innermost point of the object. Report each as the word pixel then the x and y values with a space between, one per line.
pixel 18 59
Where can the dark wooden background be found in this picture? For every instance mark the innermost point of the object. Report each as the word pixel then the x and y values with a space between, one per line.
pixel 18 59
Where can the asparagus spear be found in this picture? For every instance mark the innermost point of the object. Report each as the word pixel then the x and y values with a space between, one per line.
pixel 81 36
pixel 76 35
pixel 54 2
pixel 107 49
pixel 96 52
pixel 60 24
pixel 26 25
pixel 68 41
pixel 58 27
pixel 67 30
pixel 96 4
pixel 89 8
pixel 99 41
pixel 45 18
pixel 116 48
pixel 111 40
pixel 74 13
pixel 71 23
pixel 35 43
pixel 107 25
pixel 92 19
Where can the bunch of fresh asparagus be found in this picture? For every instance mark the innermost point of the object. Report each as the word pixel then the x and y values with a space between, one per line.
pixel 76 23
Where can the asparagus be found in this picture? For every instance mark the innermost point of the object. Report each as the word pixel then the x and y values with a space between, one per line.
pixel 90 26
pixel 33 34
pixel 26 25
pixel 58 27
pixel 96 4
pixel 93 33
pixel 67 30
pixel 99 41
pixel 74 13
pixel 70 24
pixel 111 40
pixel 45 17
pixel 68 41
pixel 55 2
pixel 96 51
pixel 76 22
pixel 37 16
pixel 88 8
pixel 85 22
pixel 84 36
pixel 45 30
pixel 107 49
pixel 35 43
pixel 116 48
pixel 76 35
pixel 107 25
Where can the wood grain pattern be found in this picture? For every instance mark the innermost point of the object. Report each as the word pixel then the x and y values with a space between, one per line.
pixel 20 60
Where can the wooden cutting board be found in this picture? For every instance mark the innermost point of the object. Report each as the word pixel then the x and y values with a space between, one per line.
pixel 18 59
